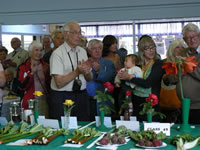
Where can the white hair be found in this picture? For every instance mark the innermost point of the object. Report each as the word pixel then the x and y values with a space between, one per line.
pixel 93 42
pixel 190 27
pixel 35 44
pixel 66 27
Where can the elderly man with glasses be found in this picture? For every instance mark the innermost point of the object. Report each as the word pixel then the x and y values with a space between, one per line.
pixel 70 69
pixel 191 36
pixel 191 81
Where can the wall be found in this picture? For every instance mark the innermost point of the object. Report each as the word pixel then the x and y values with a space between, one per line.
pixel 60 11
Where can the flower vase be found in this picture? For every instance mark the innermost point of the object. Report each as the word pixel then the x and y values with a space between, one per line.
pixel 185 127
pixel 102 126
pixel 149 117
pixel 67 120
pixel 36 110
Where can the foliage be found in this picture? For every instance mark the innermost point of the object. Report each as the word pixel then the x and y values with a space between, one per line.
pixel 147 135
pixel 103 97
pixel 151 101
pixel 126 101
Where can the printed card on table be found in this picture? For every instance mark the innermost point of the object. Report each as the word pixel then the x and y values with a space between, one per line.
pixel 158 127
pixel 53 123
pixel 132 125
pixel 107 121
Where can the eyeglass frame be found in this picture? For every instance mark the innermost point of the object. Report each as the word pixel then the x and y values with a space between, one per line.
pixel 76 33
pixel 191 38
pixel 150 48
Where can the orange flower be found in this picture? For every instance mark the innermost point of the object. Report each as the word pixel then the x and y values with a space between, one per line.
pixel 189 65
pixel 170 68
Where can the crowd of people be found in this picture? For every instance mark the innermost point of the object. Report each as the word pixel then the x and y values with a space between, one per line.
pixel 75 69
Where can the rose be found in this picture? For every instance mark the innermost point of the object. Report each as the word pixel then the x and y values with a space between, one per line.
pixel 108 87
pixel 103 96
pixel 128 93
pixel 153 99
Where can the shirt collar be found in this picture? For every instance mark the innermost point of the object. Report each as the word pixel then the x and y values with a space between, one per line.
pixel 192 53
pixel 68 48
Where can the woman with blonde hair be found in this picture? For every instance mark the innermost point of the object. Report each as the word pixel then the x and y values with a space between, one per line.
pixel 150 83
pixel 169 101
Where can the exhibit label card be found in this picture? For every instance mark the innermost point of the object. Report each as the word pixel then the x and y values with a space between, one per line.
pixel 158 127
pixel 107 121
pixel 132 125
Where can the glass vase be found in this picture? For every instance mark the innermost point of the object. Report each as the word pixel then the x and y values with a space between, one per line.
pixel 149 117
pixel 67 119
pixel 185 127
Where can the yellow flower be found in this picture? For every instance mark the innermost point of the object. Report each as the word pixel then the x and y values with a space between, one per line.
pixel 68 102
pixel 37 93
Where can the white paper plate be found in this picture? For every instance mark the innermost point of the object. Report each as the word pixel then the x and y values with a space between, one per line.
pixel 163 145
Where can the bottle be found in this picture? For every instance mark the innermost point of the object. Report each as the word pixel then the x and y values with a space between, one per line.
pixel 126 115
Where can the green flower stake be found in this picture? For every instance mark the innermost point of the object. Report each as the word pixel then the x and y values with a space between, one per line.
pixel 182 65
pixel 36 111
pixel 101 98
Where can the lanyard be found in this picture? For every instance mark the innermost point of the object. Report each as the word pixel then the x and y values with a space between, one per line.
pixel 71 61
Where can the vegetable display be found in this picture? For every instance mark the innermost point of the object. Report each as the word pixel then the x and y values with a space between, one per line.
pixel 11 132
pixel 47 135
pixel 148 138
pixel 82 136
pixel 184 141
pixel 112 139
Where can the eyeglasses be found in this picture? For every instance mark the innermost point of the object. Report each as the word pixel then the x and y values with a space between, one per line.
pixel 77 33
pixel 191 38
pixel 150 48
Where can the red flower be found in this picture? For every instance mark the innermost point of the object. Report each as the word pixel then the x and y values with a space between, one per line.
pixel 189 65
pixel 128 93
pixel 108 86
pixel 153 99
pixel 170 68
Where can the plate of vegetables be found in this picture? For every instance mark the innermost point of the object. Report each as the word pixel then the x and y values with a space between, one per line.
pixel 112 140
pixel 149 139
pixel 149 144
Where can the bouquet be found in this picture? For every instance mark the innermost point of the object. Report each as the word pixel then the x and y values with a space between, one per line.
pixel 103 98
pixel 68 105
pixel 151 101
pixel 181 65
